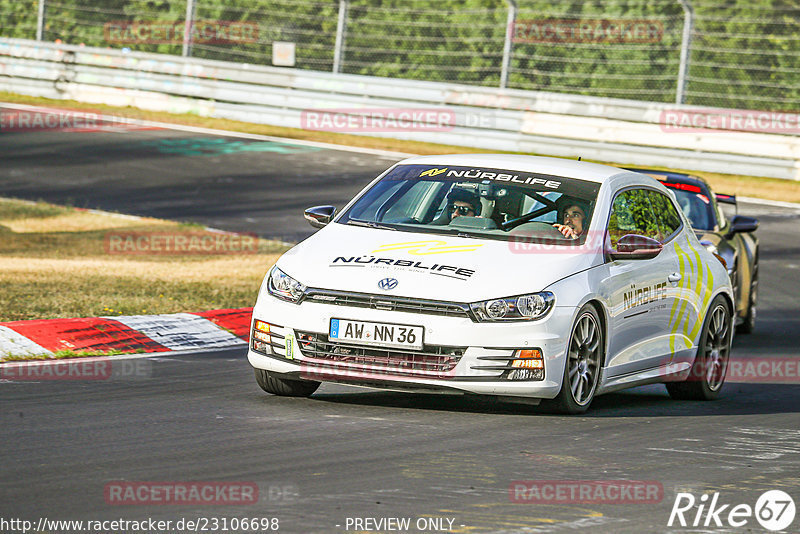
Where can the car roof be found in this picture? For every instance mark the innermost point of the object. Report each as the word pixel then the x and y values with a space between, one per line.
pixel 675 177
pixel 568 168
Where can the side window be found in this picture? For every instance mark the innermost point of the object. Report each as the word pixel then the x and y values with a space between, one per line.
pixel 668 219
pixel 632 214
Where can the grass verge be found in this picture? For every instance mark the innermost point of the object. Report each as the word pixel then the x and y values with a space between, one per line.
pixel 751 186
pixel 61 262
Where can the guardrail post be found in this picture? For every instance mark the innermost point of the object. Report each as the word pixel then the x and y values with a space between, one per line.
pixel 40 22
pixel 187 29
pixel 341 29
pixel 512 16
pixel 686 46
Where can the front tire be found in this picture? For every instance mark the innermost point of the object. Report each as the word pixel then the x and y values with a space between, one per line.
pixel 283 387
pixel 585 356
pixel 711 362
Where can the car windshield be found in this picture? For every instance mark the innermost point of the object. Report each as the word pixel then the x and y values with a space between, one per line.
pixel 696 205
pixel 476 202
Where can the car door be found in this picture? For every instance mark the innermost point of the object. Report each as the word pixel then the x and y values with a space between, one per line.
pixel 640 292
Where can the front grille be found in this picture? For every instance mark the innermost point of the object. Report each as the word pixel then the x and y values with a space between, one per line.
pixel 384 302
pixel 434 361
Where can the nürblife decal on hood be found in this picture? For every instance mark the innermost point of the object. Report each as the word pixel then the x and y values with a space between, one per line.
pixel 375 262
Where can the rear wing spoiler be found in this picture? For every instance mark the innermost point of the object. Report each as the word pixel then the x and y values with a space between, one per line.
pixel 725 199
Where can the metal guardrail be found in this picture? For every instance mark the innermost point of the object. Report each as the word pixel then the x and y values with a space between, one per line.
pixel 614 130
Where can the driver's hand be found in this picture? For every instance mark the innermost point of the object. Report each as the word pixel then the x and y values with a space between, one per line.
pixel 568 231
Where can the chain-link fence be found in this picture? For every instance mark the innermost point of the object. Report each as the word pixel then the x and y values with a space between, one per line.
pixel 738 54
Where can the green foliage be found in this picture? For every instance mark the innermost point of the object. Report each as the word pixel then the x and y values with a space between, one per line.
pixel 745 53
pixel 18 18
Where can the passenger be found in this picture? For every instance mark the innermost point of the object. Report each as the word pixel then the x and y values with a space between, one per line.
pixel 573 217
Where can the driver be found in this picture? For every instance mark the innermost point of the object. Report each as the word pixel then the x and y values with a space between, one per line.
pixel 572 213
pixel 463 203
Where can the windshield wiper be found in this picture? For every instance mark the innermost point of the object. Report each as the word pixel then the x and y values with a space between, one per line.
pixel 369 224
pixel 460 233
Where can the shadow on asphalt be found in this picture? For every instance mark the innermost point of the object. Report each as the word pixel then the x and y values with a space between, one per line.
pixel 645 401
pixel 642 401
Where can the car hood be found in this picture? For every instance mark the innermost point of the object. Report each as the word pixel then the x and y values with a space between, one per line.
pixel 429 266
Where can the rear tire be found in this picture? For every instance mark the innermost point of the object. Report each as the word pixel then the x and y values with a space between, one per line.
pixel 584 359
pixel 283 387
pixel 707 375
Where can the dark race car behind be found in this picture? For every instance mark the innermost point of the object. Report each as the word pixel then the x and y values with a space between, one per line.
pixel 733 239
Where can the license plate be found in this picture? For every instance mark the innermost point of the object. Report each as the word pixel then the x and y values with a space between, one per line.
pixel 398 336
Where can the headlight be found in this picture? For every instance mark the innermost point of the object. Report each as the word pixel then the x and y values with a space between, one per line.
pixel 521 308
pixel 284 287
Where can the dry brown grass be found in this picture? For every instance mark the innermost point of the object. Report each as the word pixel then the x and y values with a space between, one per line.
pixel 78 221
pixel 54 263
pixel 768 188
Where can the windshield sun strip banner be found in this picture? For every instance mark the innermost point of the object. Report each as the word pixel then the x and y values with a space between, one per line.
pixel 533 180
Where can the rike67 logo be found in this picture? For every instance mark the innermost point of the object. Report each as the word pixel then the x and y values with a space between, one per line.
pixel 774 510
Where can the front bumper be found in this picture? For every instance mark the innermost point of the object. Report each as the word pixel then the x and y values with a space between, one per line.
pixel 459 355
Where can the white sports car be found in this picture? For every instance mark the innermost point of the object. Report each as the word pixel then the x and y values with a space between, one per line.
pixel 521 277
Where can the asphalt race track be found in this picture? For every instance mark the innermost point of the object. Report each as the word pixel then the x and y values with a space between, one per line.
pixel 239 185
pixel 358 453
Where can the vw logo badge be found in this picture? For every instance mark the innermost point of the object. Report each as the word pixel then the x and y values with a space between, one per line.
pixel 387 283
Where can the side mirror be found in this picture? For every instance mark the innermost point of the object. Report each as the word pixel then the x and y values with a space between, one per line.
pixel 635 247
pixel 319 216
pixel 742 224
